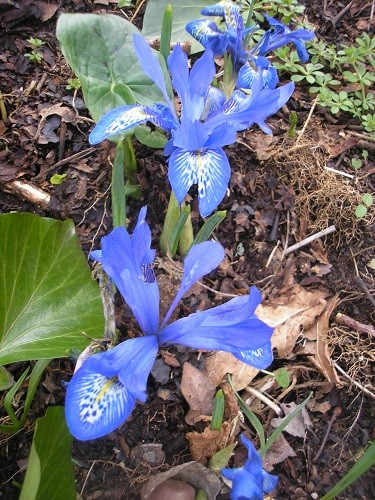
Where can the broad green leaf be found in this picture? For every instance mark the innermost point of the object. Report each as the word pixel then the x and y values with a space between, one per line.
pixel 6 379
pixel 99 49
pixel 49 471
pixel 48 301
pixel 360 211
pixel 183 12
pixel 151 138
pixel 367 199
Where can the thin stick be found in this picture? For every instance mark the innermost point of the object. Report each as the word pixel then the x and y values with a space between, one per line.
pixel 29 192
pixel 307 120
pixel 265 400
pixel 137 10
pixel 359 281
pixel 313 237
pixel 350 176
pixel 363 136
pixel 343 319
pixel 70 158
pixel 360 386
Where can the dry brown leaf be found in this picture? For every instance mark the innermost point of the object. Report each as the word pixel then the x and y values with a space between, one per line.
pixel 221 363
pixel 204 445
pixel 290 319
pixel 279 451
pixel 319 333
pixel 296 312
pixel 300 423
pixel 199 392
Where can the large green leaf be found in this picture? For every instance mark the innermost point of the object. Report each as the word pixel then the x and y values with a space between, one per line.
pixel 99 49
pixel 50 470
pixel 183 12
pixel 48 299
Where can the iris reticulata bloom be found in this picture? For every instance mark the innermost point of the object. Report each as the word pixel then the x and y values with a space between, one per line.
pixel 250 481
pixel 249 63
pixel 104 390
pixel 207 123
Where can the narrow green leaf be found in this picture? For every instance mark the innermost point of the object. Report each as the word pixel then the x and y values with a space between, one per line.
pixel 218 411
pixel 286 421
pixel 186 238
pixel 252 418
pixel 166 32
pixel 293 122
pixel 117 187
pixel 221 458
pixel 366 461
pixel 209 226
pixel 171 218
pixel 49 472
pixel 49 302
pixel 177 230
pixel 35 376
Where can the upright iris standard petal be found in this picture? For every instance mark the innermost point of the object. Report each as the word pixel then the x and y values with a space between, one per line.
pixel 201 260
pixel 124 264
pixel 250 481
pixel 97 400
pixel 231 327
pixel 151 66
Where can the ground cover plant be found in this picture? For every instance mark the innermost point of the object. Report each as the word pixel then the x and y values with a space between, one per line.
pixel 244 131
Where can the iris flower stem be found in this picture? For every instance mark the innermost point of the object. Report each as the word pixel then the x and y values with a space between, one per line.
pixel 117 187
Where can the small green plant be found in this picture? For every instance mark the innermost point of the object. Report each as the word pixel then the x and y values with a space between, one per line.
pixel 35 56
pixel 362 208
pixel 73 84
pixel 357 163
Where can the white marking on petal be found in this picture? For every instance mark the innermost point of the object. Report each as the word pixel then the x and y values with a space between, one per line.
pixel 100 399
pixel 126 120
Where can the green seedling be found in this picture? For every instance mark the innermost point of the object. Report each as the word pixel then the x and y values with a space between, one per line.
pixel 362 208
pixel 34 56
pixel 58 179
pixel 218 411
pixel 73 84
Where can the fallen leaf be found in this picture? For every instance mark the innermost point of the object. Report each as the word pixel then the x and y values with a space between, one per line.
pixel 203 445
pixel 199 392
pixel 300 423
pixel 279 451
pixel 295 312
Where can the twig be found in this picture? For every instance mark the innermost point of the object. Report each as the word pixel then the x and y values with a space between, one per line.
pixel 337 18
pixel 350 176
pixel 28 191
pixel 137 10
pixel 362 136
pixel 63 130
pixel 313 237
pixel 361 284
pixel 42 81
pixel 87 476
pixel 307 120
pixel 70 158
pixel 336 413
pixel 360 386
pixel 265 400
pixel 343 319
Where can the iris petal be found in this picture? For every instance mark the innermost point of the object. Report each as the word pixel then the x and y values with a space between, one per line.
pixel 182 172
pixel 121 119
pixel 201 260
pixel 208 34
pixel 260 358
pixel 125 269
pixel 231 327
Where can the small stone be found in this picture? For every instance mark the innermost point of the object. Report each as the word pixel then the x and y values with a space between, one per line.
pixel 310 487
pixel 172 489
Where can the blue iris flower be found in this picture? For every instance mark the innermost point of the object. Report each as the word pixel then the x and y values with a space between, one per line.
pixel 250 481
pixel 104 390
pixel 248 63
pixel 207 122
